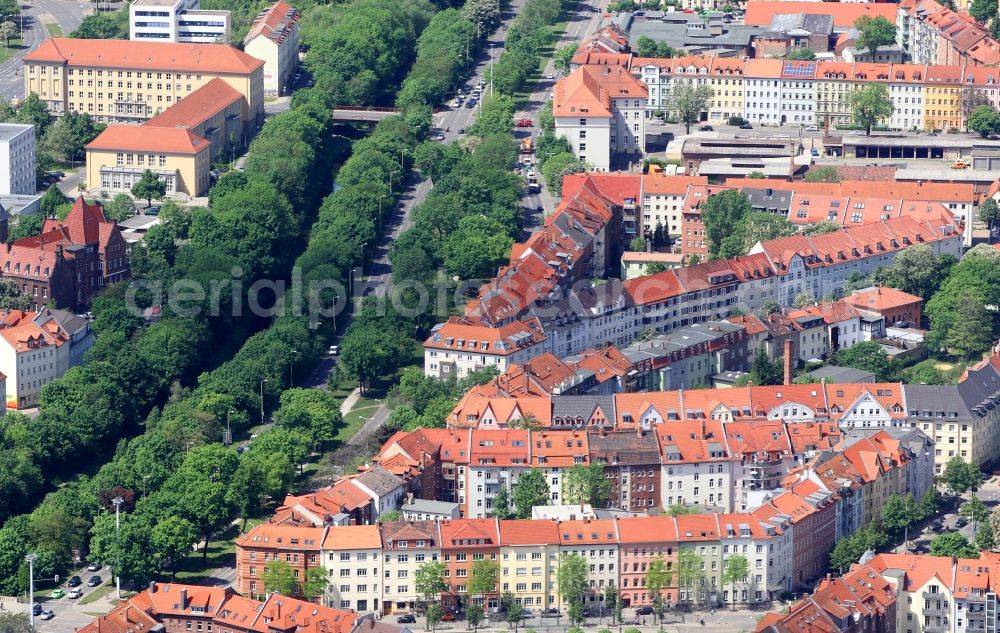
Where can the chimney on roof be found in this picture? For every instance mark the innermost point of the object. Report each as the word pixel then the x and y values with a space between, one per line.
pixel 184 593
pixel 788 361
pixel 152 586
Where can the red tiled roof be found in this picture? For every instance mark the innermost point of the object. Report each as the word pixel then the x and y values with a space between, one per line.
pixel 163 56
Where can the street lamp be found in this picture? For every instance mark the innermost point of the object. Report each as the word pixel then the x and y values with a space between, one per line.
pixel 291 369
pixel 118 501
pixel 262 381
pixel 31 558
pixel 228 439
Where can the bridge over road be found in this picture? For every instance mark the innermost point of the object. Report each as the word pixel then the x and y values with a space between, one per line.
pixel 360 113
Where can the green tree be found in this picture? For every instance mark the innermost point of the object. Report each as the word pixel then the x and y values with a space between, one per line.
pixel 655 267
pixel 15 623
pixel 429 581
pixel 871 104
pixel 768 308
pixel 648 47
pixel 806 54
pixel 199 488
pixel 514 609
pixel 930 504
pixel 875 32
pixel 984 120
pixel 764 371
pixel 689 572
pixel 474 615
pixel 985 537
pixel 804 299
pixel 149 186
pixel 989 212
pixel 530 490
pixel 571 578
pixel 975 511
pixel 52 199
pixel 867 356
pixel 483 579
pixel 822 228
pixel 120 208
pixel 558 166
pixel 311 411
pixel 586 484
pixel 657 579
pixel 314 583
pixel 172 539
pixel 960 476
pixel 720 213
pixel 953 544
pixel 827 173
pixel 613 602
pixel 971 331
pixel 898 513
pixel 563 56
pixel 755 227
pixel 433 616
pixel 8 31
pixel 737 569
pixel 637 244
pixel 688 101
pixel 101 26
pixel 983 10
pixel 677 509
pixel 501 504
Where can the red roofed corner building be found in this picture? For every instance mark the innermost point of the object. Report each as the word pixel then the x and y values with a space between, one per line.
pixel 274 38
pixel 70 261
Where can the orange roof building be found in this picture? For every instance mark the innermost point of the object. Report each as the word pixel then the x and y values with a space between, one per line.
pixel 274 38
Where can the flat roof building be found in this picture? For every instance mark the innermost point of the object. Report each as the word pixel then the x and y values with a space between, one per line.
pixel 176 21
pixel 17 159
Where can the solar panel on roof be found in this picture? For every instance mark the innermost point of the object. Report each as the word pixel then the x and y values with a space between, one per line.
pixel 796 70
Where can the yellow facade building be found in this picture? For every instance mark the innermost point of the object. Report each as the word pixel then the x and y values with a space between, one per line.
pixel 529 561
pixel 121 81
pixel 179 145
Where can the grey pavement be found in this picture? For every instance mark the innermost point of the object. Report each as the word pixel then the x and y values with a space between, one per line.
pixel 69 613
pixel 66 13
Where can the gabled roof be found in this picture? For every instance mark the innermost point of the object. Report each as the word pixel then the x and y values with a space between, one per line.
pixel 275 23
pixel 192 58
pixel 588 91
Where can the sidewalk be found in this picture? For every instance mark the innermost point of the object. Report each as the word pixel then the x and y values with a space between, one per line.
pixel 350 401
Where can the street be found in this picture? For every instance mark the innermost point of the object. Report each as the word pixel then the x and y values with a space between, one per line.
pixel 34 15
pixel 70 615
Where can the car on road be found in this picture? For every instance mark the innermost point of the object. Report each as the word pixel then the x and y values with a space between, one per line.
pixel 706 128
pixel 58 593
pixel 812 128
pixel 439 137
pixel 644 611
pixel 461 130
pixel 551 612
pixel 746 125
pixel 334 350
pixel 47 614
pixel 527 613
pixel 36 609
pixel 549 76
pixel 74 581
pixel 448 616
pixel 94 580
pixel 409 618
pixel 454 103
pixel 960 522
pixel 471 103
pixel 154 210
pixel 814 152
pixel 75 593
pixel 523 123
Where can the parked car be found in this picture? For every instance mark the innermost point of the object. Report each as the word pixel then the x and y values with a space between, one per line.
pixel 527 613
pixel 36 609
pixel 644 611
pixel 75 593
pixel 455 103
pixel 334 350
pixel 47 614
pixel 95 580
pixel 549 76
pixel 74 581
pixel 524 123
pixel 814 152
pixel 746 126
pixel 439 137
pixel 153 210
pixel 961 522
pixel 706 128
pixel 448 616
pixel 58 593
pixel 551 612
pixel 812 128
pixel 461 130
pixel 471 103
pixel 409 618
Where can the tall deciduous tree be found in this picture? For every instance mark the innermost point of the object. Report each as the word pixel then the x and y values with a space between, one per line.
pixel 984 121
pixel 571 578
pixel 586 485
pixel 657 579
pixel 736 571
pixel 483 579
pixel 688 101
pixel 983 10
pixel 279 577
pixel 172 539
pixel 720 213
pixel 531 490
pixel 689 572
pixel 429 581
pixel 149 186
pixel 953 545
pixel 875 32
pixel 871 104
pixel 898 513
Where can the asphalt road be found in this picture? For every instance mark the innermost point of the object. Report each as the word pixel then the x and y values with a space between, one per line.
pixel 67 13
pixel 69 613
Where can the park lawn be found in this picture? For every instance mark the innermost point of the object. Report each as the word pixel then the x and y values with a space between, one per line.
pixel 54 30
pixel 221 553
pixel 6 52
pixel 98 593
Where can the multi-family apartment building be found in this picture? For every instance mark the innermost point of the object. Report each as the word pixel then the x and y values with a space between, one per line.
pixel 123 81
pixel 274 38
pixel 352 557
pixel 405 547
pixel 601 111
pixel 932 33
pixel 70 261
pixel 529 561
pixel 177 21
pixel 463 543
pixel 17 159
pixel 298 546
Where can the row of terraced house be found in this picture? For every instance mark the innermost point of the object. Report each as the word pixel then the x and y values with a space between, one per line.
pixel 544 300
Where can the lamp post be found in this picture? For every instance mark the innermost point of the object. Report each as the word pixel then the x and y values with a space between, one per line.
pixel 229 428
pixel 291 369
pixel 262 381
pixel 31 587
pixel 118 501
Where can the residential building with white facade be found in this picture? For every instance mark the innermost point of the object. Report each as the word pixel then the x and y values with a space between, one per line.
pixel 601 111
pixel 17 159
pixel 274 38
pixel 596 540
pixel 177 21
pixel 385 489
pixel 352 557
pixel 405 547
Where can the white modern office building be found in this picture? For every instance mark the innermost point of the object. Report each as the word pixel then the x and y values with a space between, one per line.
pixel 177 21
pixel 17 159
